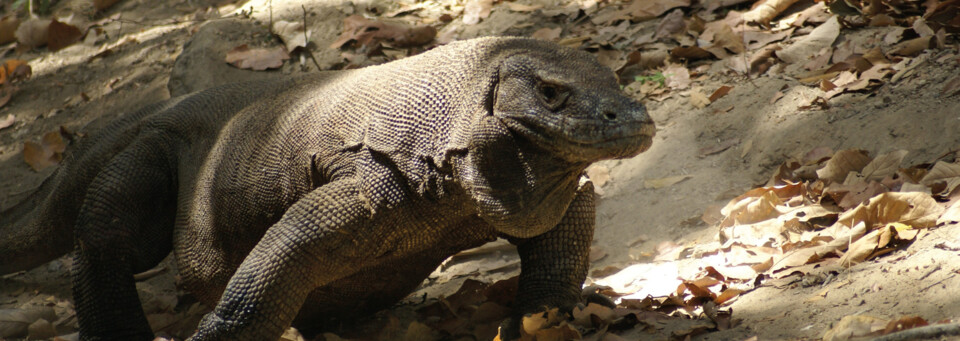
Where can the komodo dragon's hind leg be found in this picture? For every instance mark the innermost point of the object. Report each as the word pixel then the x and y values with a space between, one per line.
pixel 124 227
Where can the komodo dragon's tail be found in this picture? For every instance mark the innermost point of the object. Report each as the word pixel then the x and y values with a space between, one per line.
pixel 26 240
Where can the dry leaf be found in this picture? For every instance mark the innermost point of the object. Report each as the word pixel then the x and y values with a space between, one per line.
pixel 855 326
pixel 8 26
pixel 476 10
pixel 766 10
pixel 722 91
pixel 842 163
pixel 292 34
pixel 598 174
pixel 8 121
pixel 883 165
pixel 47 153
pixel 582 316
pixel 821 37
pixel 33 32
pixel 912 47
pixel 523 8
pixel 547 33
pixel 677 77
pixel 259 59
pixel 860 249
pixel 60 35
pixel 670 24
pixel 915 209
pixel 698 99
pixel 951 214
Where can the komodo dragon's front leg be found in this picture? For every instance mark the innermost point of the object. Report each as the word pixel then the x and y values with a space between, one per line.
pixel 312 244
pixel 554 264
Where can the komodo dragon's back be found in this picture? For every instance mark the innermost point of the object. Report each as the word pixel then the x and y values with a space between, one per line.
pixel 313 199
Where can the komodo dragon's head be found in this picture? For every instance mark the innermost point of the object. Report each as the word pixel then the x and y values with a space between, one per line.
pixel 550 112
pixel 565 101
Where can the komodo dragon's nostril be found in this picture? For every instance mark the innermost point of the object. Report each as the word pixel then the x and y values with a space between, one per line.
pixel 610 116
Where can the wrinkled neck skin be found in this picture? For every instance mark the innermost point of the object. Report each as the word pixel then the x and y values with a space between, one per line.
pixel 519 188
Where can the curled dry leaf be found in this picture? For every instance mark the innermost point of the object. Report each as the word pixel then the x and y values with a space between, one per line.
pixel 292 34
pixel 842 163
pixel 258 59
pixel 821 37
pixel 476 10
pixel 766 10
pixel 47 153
pixel 883 165
pixel 8 121
pixel 523 8
pixel 914 208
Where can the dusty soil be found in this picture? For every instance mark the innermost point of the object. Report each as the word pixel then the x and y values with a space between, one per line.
pixel 81 86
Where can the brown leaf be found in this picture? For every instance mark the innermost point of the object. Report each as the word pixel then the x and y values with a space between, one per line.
pixel 8 26
pixel 670 24
pixel 476 10
pixel 883 165
pixel 860 249
pixel 47 153
pixel 766 10
pixel 582 316
pixel 60 35
pixel 599 174
pixel 913 208
pixel 698 99
pixel 523 8
pixel 691 53
pixel 677 77
pixel 8 121
pixel 912 47
pixel 547 33
pixel 722 91
pixel 33 32
pixel 291 33
pixel 821 37
pixel 259 59
pixel 842 163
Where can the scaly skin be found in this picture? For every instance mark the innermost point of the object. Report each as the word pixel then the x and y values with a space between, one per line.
pixel 319 198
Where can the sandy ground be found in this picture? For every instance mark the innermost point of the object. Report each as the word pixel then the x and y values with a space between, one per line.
pixel 79 87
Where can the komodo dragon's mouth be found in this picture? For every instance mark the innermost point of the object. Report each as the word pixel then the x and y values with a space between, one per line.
pixel 589 137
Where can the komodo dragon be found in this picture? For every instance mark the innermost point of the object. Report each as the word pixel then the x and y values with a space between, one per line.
pixel 335 193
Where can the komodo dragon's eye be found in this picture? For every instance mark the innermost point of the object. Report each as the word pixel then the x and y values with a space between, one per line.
pixel 552 95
